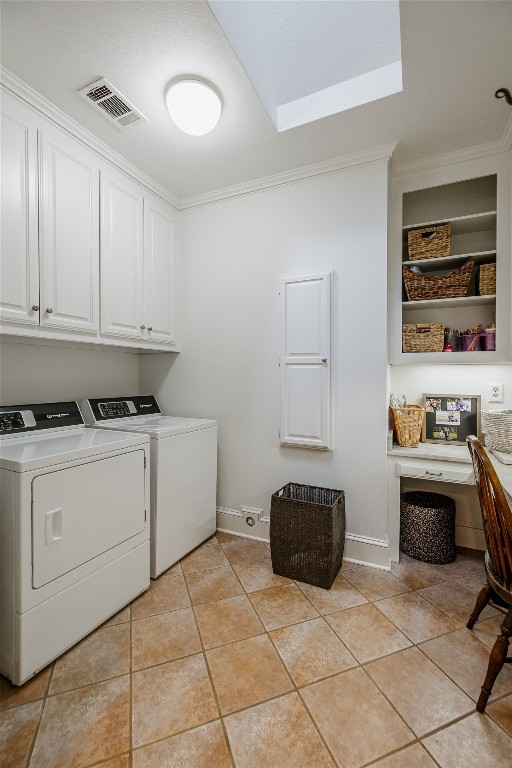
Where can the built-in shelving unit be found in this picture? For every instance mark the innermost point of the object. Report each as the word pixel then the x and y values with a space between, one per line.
pixel 474 200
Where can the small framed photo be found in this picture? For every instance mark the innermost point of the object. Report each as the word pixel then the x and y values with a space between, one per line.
pixel 449 419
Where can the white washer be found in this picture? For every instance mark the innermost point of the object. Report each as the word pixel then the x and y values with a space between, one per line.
pixel 74 532
pixel 183 472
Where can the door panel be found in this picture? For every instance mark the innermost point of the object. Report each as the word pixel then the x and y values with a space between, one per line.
pixel 69 232
pixel 159 271
pixel 121 256
pixel 305 361
pixel 19 278
pixel 80 512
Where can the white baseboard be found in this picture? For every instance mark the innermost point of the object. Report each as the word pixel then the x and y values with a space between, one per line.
pixel 362 550
pixel 232 521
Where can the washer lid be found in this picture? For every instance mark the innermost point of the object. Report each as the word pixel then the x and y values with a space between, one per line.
pixel 37 451
pixel 160 426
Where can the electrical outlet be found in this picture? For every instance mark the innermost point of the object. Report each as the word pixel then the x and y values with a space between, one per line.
pixel 495 393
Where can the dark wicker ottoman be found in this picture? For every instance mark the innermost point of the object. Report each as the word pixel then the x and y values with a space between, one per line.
pixel 307 533
pixel 427 527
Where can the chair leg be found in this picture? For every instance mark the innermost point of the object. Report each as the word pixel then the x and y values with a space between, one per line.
pixel 481 601
pixel 496 660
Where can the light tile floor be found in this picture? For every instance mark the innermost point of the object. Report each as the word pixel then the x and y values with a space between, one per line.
pixel 222 663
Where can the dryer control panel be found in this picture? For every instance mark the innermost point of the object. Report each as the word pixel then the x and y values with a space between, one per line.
pixel 37 417
pixel 96 410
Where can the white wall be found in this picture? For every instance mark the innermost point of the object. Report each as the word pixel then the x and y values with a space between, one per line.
pixel 38 373
pixel 232 255
pixel 413 380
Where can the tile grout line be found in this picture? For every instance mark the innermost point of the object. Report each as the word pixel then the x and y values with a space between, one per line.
pixel 208 670
pixel 36 734
pixel 292 681
pixel 130 710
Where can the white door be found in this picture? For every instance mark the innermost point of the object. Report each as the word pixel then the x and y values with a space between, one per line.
pixel 69 221
pixel 121 246
pixel 159 271
pixel 19 266
pixel 80 512
pixel 306 361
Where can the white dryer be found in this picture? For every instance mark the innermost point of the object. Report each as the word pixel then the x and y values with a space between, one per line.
pixel 74 532
pixel 183 472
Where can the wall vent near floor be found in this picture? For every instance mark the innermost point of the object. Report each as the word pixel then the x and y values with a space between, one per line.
pixel 111 104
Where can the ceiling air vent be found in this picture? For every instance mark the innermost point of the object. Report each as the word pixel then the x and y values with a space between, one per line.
pixel 112 105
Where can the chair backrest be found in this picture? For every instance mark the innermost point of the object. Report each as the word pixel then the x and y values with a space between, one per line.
pixel 496 513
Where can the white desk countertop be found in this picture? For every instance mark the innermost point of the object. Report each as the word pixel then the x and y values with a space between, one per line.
pixel 455 453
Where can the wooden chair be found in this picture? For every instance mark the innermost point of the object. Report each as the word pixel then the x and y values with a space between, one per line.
pixel 497 520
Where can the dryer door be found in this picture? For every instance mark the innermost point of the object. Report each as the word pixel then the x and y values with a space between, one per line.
pixel 81 512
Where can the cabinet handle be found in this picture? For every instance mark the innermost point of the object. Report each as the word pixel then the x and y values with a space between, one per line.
pixel 434 474
pixel 143 327
pixel 324 360
pixel 49 310
pixel 35 308
pixel 150 328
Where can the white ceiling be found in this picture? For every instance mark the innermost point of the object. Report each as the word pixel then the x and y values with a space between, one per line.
pixel 455 54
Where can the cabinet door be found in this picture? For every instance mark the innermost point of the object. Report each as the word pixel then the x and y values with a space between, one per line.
pixel 121 256
pixel 305 361
pixel 19 266
pixel 69 221
pixel 159 271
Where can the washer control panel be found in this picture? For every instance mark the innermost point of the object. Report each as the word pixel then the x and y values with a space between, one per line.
pixel 96 410
pixel 17 419
pixel 117 408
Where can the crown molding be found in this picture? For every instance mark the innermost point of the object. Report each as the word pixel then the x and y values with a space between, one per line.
pixel 48 110
pixel 304 173
pixel 459 156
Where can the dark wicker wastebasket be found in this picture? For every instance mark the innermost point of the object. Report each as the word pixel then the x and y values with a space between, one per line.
pixel 307 533
pixel 427 527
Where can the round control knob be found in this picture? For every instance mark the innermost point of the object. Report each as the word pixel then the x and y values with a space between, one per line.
pixel 49 310
pixel 35 308
pixel 143 327
pixel 150 328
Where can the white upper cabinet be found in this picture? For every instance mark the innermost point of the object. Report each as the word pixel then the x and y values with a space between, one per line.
pixel 159 271
pixel 19 283
pixel 122 289
pixel 69 221
pixel 306 361
pixel 138 262
pixel 86 251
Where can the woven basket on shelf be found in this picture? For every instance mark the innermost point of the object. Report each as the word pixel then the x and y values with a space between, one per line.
pixel 497 426
pixel 429 242
pixel 408 423
pixel 426 337
pixel 487 279
pixel 425 287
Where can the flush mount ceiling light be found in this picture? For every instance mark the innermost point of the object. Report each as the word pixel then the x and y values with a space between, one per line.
pixel 194 106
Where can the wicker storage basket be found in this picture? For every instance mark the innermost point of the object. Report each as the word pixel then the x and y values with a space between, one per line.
pixel 497 426
pixel 426 337
pixel 424 287
pixel 429 242
pixel 427 527
pixel 307 533
pixel 487 279
pixel 408 423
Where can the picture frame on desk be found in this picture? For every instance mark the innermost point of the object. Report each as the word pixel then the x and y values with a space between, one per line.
pixel 449 419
